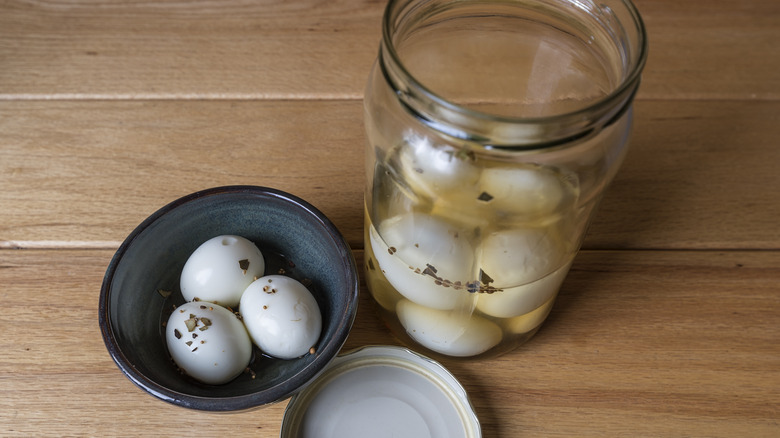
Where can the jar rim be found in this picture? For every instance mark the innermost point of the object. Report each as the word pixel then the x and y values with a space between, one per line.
pixel 514 133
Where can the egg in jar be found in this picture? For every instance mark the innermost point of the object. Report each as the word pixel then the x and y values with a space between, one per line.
pixel 448 332
pixel 525 265
pixel 527 192
pixel 531 320
pixel 281 315
pixel 430 168
pixel 425 259
pixel 220 269
pixel 208 342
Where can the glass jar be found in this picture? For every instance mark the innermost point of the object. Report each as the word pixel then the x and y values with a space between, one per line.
pixel 493 129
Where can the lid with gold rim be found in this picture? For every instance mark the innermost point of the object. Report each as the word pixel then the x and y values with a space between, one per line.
pixel 382 391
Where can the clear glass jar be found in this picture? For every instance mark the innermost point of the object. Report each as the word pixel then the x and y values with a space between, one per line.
pixel 493 129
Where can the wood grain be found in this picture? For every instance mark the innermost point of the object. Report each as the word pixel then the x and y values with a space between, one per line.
pixel 721 50
pixel 667 324
pixel 244 49
pixel 108 165
pixel 698 175
pixel 188 49
pixel 640 343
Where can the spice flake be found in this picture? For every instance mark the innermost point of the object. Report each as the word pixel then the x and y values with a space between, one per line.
pixel 484 278
pixel 485 197
pixel 191 323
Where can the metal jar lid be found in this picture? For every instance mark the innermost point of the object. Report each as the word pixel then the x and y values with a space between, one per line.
pixel 382 391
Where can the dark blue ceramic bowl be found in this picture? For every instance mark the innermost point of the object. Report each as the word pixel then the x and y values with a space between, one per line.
pixel 295 238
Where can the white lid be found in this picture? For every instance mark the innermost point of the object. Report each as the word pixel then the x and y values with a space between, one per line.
pixel 382 392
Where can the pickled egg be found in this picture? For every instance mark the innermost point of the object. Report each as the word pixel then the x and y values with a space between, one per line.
pixel 281 315
pixel 519 300
pixel 424 258
pixel 525 265
pixel 531 191
pixel 464 209
pixel 431 168
pixel 529 321
pixel 208 342
pixel 448 332
pixel 220 269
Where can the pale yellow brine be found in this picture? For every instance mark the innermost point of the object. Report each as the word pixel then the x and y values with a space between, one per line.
pixel 468 253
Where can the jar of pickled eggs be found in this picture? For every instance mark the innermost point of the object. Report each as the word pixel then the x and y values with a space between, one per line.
pixel 493 129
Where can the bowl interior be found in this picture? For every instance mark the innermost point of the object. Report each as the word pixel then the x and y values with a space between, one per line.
pixel 294 238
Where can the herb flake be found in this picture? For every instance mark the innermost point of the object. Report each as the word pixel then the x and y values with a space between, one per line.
pixel 244 265
pixel 485 197
pixel 191 323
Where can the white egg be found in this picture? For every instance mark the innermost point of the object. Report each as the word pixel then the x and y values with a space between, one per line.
pixel 517 301
pixel 526 191
pixel 281 315
pixel 208 342
pixel 431 168
pixel 425 259
pixel 525 265
pixel 464 209
pixel 448 332
pixel 220 269
pixel 529 321
pixel 383 292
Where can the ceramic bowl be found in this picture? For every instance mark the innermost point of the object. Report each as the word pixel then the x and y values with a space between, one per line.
pixel 294 237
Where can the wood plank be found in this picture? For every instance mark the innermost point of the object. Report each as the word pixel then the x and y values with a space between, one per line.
pixel 76 172
pixel 698 175
pixel 724 50
pixel 190 49
pixel 640 343
pixel 84 174
pixel 311 49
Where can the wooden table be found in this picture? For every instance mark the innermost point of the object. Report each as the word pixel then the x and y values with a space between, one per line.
pixel 668 324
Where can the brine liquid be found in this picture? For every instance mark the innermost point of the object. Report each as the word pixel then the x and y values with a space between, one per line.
pixel 464 256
